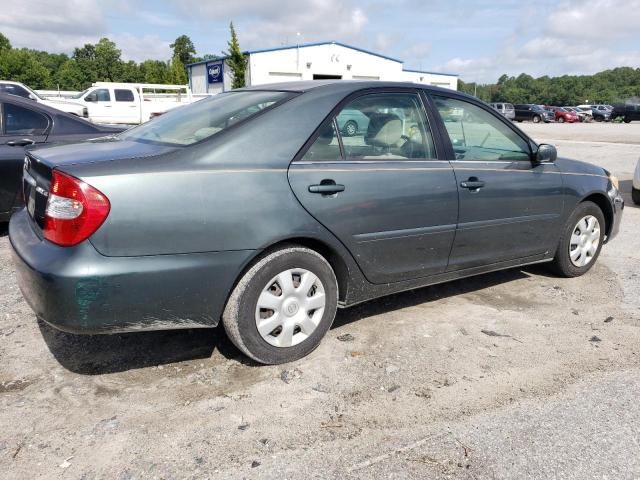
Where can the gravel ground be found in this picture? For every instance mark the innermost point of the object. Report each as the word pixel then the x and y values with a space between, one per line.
pixel 516 374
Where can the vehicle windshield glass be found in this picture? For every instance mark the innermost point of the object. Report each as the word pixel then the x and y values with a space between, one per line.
pixel 80 95
pixel 193 123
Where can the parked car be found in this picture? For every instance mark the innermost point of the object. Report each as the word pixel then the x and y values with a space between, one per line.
pixel 635 189
pixel 583 115
pixel 350 122
pixel 270 223
pixel 505 109
pixel 563 115
pixel 21 90
pixel 600 113
pixel 127 103
pixel 23 123
pixel 628 112
pixel 534 113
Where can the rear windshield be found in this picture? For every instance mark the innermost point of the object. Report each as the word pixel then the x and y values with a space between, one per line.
pixel 192 123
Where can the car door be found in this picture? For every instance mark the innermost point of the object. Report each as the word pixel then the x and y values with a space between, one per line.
pixel 383 190
pixel 100 105
pixel 126 108
pixel 510 207
pixel 19 127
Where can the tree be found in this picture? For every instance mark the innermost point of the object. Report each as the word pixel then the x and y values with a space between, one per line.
pixel 70 76
pixel 154 71
pixel 236 61
pixel 184 49
pixel 107 61
pixel 21 65
pixel 177 75
pixel 5 44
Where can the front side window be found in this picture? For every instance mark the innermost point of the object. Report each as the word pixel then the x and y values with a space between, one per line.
pixel 192 123
pixel 22 121
pixel 123 95
pixel 100 95
pixel 477 135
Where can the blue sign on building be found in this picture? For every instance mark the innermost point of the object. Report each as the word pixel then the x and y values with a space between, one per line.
pixel 215 72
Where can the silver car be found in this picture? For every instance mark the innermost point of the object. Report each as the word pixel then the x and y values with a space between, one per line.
pixel 505 109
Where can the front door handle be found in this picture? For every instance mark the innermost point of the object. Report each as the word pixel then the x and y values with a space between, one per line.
pixel 326 188
pixel 472 184
pixel 20 143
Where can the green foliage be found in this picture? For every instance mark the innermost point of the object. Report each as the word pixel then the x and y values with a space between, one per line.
pixel 236 61
pixel 154 71
pixel 609 86
pixel 177 75
pixel 5 44
pixel 184 49
pixel 21 65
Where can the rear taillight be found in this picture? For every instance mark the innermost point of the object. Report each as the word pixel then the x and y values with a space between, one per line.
pixel 75 210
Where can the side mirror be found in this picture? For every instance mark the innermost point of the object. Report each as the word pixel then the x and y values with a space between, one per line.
pixel 90 98
pixel 32 96
pixel 545 154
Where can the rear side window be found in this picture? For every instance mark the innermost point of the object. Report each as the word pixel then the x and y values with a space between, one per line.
pixel 192 123
pixel 477 135
pixel 377 126
pixel 123 95
pixel 22 121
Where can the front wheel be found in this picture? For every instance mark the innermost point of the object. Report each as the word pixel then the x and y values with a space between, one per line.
pixel 536 119
pixel 627 120
pixel 282 306
pixel 581 241
pixel 635 195
pixel 561 120
pixel 350 128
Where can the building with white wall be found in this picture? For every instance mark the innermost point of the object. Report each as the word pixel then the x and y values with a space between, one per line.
pixel 311 61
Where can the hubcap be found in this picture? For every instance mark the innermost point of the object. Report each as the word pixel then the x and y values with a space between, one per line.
pixel 584 241
pixel 290 307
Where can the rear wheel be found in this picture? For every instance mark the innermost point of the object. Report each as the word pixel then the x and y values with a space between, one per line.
pixel 627 120
pixel 350 128
pixel 635 195
pixel 581 241
pixel 282 306
pixel 561 120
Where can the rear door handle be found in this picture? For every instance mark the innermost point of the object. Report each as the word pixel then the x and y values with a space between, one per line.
pixel 20 143
pixel 326 188
pixel 472 184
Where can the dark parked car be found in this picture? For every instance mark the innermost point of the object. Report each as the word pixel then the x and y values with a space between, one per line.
pixel 628 112
pixel 24 122
pixel 272 221
pixel 534 113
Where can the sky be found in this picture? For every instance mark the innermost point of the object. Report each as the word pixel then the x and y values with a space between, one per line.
pixel 479 40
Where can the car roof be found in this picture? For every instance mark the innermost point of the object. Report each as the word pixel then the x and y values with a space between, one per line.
pixel 345 85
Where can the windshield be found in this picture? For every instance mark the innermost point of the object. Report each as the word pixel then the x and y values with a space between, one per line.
pixel 193 123
pixel 78 95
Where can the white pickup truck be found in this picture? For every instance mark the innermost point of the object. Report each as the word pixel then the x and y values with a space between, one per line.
pixel 20 89
pixel 131 103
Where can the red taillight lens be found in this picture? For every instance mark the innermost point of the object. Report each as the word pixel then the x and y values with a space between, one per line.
pixel 75 210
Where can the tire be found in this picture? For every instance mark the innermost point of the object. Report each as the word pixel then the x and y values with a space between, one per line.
pixel 627 120
pixel 597 119
pixel 536 119
pixel 242 312
pixel 562 263
pixel 561 120
pixel 350 128
pixel 635 195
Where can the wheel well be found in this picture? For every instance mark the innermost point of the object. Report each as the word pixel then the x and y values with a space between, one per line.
pixel 336 261
pixel 603 202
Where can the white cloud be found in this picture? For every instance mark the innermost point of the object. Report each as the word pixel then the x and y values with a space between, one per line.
pixel 575 38
pixel 147 47
pixel 274 22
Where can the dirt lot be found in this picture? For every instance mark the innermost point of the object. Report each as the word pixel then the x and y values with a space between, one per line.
pixel 516 374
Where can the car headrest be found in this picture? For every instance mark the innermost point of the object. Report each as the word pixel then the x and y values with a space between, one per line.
pixel 326 134
pixel 385 130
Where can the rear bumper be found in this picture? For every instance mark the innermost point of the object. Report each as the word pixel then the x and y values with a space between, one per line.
pixel 78 290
